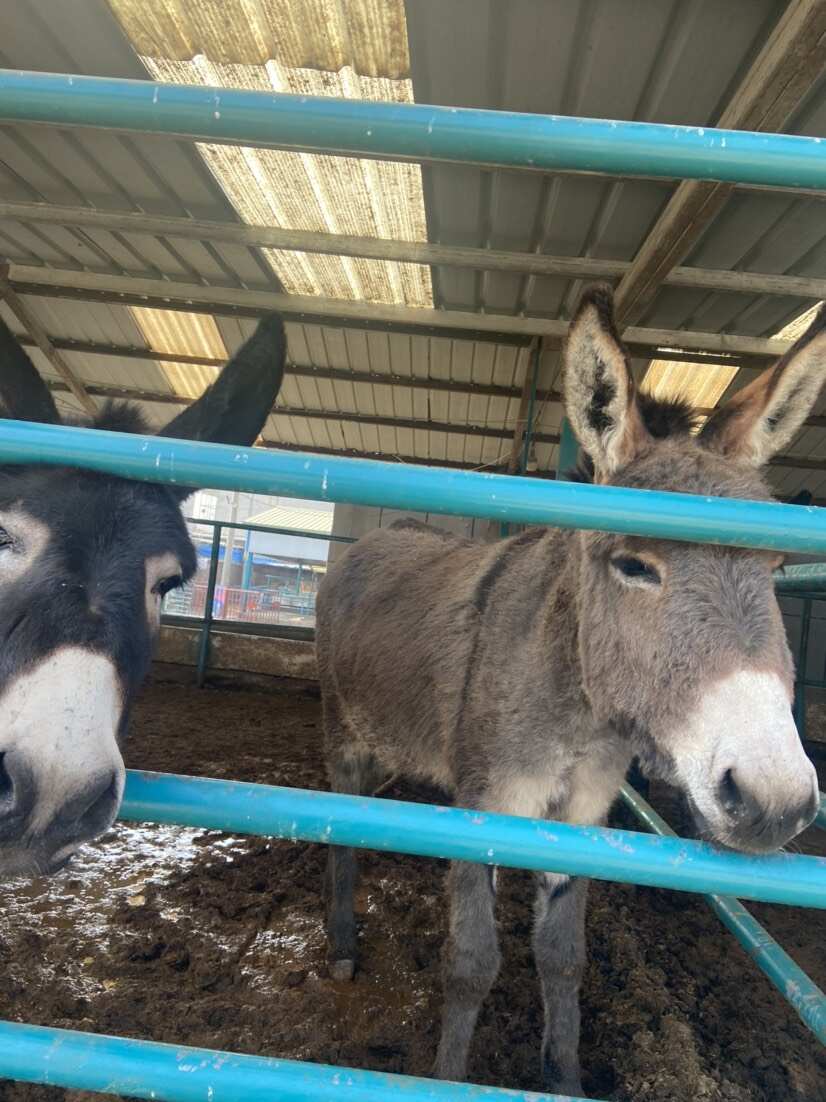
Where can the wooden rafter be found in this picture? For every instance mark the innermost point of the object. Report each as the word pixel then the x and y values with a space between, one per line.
pixel 780 77
pixel 169 294
pixel 417 252
pixel 449 427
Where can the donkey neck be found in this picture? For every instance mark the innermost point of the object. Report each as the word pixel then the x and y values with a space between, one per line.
pixel 535 579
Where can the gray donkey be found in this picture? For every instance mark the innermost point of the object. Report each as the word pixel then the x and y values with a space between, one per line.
pixel 525 675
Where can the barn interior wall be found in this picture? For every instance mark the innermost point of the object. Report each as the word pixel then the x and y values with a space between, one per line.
pixel 357 520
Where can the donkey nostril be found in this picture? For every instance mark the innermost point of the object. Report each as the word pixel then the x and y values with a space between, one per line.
pixel 102 809
pixel 729 793
pixel 16 792
pixel 6 783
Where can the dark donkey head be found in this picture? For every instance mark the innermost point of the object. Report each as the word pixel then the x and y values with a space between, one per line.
pixel 682 645
pixel 85 560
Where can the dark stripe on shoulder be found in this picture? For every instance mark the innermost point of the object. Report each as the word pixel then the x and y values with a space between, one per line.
pixel 484 586
pixel 481 595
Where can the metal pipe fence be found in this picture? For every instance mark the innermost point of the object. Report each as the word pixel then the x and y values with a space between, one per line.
pixel 787 976
pixel 656 513
pixel 428 830
pixel 200 607
pixel 177 1073
pixel 414 131
pixel 421 133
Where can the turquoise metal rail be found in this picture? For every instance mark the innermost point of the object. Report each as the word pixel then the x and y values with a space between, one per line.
pixel 490 839
pixel 802 577
pixel 414 131
pixel 421 489
pixel 176 1073
pixel 787 976
pixel 807 583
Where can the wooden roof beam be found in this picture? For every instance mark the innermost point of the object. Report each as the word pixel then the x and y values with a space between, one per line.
pixel 780 77
pixel 460 324
pixel 311 414
pixel 312 371
pixel 450 427
pixel 416 252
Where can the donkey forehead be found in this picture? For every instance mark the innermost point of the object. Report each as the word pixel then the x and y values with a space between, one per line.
pixel 94 515
pixel 682 465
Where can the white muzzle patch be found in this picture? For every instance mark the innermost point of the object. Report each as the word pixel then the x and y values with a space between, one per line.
pixel 59 721
pixel 744 725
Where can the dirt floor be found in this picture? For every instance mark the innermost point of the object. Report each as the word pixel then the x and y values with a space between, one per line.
pixel 192 937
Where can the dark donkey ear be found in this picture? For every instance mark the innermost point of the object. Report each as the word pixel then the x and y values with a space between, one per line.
pixel 235 408
pixel 764 416
pixel 24 395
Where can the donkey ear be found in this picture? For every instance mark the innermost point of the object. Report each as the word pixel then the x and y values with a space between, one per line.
pixel 764 416
pixel 24 395
pixel 600 397
pixel 235 408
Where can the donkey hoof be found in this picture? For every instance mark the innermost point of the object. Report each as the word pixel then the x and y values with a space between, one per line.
pixel 342 971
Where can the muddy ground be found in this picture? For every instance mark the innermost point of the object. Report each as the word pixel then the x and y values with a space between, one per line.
pixel 192 937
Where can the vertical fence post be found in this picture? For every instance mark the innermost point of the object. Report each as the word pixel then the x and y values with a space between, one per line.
pixel 203 642
pixel 802 663
pixel 246 569
pixel 536 354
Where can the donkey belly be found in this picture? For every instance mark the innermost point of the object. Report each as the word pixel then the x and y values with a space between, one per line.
pixel 410 743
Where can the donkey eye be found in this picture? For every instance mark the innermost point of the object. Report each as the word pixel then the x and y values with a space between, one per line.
pixel 166 585
pixel 636 570
pixel 5 540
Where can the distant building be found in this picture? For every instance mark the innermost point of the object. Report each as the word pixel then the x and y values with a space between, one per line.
pixel 267 577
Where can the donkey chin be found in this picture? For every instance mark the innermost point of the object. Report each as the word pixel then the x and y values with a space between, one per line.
pixel 739 759
pixel 61 771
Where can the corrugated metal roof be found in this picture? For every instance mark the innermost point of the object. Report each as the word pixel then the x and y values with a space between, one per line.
pixel 600 60
pixel 182 333
pixel 370 36
pixel 700 384
pixel 300 518
pixel 189 44
pixel 597 58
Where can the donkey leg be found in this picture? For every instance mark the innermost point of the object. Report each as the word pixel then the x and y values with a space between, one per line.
pixel 471 964
pixel 559 951
pixel 352 772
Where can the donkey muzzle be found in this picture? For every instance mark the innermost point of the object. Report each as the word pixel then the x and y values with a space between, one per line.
pixel 741 762
pixel 61 771
pixel 758 821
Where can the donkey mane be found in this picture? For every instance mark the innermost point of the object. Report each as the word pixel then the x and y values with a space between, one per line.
pixel 661 416
pixel 114 416
pixel 119 416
